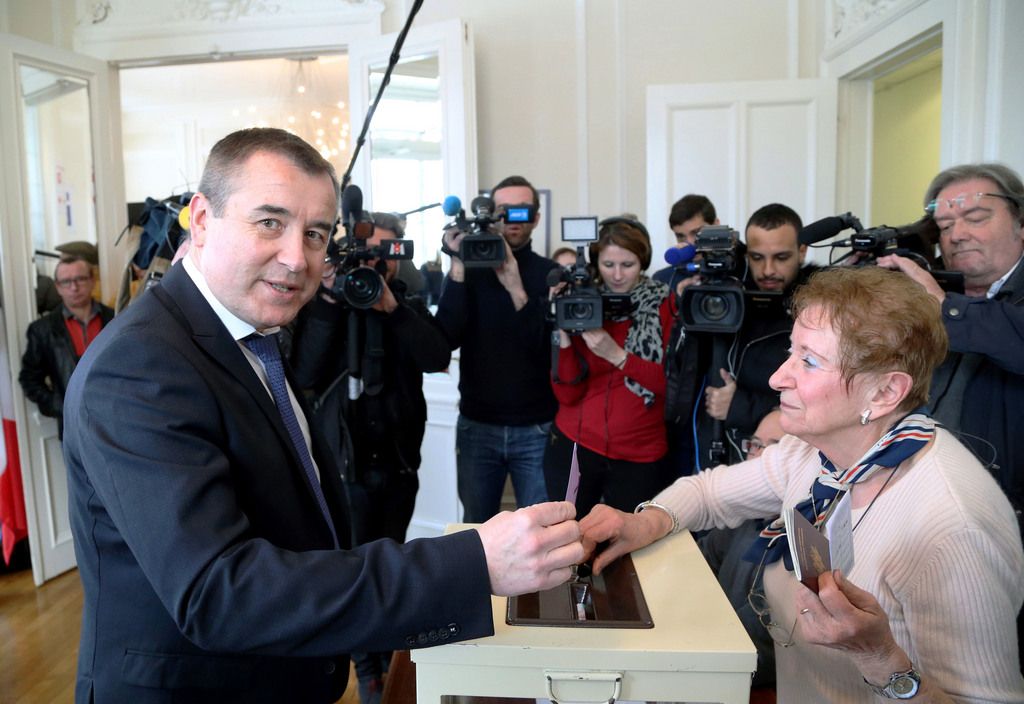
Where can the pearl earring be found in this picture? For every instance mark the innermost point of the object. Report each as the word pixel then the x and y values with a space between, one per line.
pixel 865 416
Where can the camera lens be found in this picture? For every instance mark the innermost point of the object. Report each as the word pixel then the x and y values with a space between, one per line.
pixel 579 311
pixel 362 287
pixel 714 307
pixel 486 251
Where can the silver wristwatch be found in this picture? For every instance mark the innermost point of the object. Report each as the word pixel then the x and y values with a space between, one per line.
pixel 902 685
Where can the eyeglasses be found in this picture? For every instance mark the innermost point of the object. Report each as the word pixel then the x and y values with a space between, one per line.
pixel 754 444
pixel 76 281
pixel 759 605
pixel 962 201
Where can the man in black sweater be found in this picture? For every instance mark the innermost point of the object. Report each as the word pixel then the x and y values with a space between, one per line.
pixel 497 317
pixel 396 344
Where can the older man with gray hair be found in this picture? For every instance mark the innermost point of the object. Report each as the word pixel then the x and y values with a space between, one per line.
pixel 979 389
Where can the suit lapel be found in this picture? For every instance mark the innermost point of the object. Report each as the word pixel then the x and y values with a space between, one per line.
pixel 183 299
pixel 210 335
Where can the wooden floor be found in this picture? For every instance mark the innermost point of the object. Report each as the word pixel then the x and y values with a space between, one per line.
pixel 39 638
pixel 39 631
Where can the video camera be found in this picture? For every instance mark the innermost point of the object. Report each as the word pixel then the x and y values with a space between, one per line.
pixel 361 286
pixel 480 247
pixel 717 304
pixel 915 241
pixel 579 305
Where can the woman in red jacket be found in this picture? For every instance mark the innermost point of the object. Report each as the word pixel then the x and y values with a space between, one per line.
pixel 610 384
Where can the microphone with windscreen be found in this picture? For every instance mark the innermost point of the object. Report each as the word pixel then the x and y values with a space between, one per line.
pixel 826 228
pixel 452 206
pixel 678 256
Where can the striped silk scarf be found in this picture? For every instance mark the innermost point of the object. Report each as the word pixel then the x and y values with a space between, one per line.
pixel 902 441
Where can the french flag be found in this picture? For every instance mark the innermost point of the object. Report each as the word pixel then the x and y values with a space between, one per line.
pixel 13 522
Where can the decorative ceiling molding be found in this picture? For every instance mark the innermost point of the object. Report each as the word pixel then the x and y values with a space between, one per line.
pixel 224 11
pixel 144 31
pixel 851 21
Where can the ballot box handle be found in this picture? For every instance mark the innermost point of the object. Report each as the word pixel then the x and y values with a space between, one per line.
pixel 612 678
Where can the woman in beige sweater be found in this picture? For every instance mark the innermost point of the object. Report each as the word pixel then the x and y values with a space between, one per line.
pixel 927 612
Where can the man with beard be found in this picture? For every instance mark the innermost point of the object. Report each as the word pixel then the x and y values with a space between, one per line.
pixel 774 260
pixel 498 317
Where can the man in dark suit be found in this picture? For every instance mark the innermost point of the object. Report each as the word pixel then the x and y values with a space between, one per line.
pixel 58 340
pixel 209 525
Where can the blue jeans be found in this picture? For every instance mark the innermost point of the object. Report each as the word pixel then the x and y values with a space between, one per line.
pixel 485 454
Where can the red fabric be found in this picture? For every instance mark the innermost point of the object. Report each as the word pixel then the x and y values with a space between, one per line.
pixel 13 521
pixel 91 330
pixel 600 413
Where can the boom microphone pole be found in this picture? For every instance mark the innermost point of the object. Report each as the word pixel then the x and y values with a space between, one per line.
pixel 419 209
pixel 392 62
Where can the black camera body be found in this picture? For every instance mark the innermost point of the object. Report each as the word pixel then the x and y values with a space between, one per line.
pixel 914 241
pixel 580 306
pixel 716 305
pixel 480 248
pixel 361 286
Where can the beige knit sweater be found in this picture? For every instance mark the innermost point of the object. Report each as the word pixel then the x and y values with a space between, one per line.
pixel 940 550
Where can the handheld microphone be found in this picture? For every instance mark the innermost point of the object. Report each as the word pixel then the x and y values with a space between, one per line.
pixel 677 256
pixel 351 205
pixel 451 206
pixel 823 229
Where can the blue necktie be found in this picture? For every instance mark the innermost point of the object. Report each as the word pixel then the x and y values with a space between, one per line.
pixel 265 347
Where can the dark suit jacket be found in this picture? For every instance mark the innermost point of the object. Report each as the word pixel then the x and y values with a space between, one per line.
pixel 208 570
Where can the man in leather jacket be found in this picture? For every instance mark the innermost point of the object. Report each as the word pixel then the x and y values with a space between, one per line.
pixel 58 340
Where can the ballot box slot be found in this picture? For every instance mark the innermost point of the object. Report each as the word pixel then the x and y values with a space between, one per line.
pixel 612 599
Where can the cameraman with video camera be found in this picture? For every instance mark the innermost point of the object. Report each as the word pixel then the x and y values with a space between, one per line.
pixel 737 394
pixel 610 381
pixel 496 314
pixel 397 343
pixel 979 389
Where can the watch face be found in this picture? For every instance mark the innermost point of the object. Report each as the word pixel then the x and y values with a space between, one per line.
pixel 904 686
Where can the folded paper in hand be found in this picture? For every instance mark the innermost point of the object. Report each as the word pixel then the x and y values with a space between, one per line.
pixel 574 478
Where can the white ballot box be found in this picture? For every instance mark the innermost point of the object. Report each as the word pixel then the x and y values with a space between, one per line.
pixel 697 650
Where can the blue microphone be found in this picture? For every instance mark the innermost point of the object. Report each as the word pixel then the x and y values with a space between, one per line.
pixel 678 256
pixel 452 206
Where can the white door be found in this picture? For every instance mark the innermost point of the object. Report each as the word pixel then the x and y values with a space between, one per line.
pixel 744 145
pixel 60 182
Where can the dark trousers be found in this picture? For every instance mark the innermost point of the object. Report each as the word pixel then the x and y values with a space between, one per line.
pixel 618 483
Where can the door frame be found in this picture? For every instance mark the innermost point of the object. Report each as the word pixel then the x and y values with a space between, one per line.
pixel 974 47
pixel 50 544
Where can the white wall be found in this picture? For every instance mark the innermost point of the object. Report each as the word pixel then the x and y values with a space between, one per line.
pixel 46 21
pixel 528 109
pixel 531 54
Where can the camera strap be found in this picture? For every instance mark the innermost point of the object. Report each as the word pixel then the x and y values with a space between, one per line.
pixel 449 251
